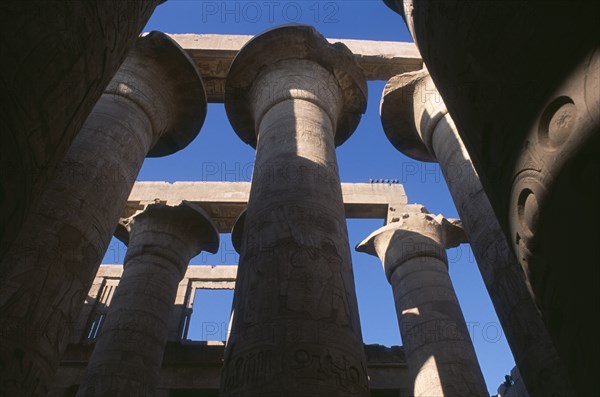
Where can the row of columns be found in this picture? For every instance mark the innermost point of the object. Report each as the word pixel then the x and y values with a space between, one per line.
pixel 532 129
pixel 295 329
pixel 47 272
pixel 415 120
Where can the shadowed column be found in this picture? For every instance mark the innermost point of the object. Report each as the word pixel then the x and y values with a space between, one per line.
pixel 417 123
pixel 48 271
pixel 57 58
pixel 296 330
pixel 526 101
pixel 439 352
pixel 128 354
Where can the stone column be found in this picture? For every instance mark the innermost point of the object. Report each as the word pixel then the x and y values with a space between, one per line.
pixel 237 232
pixel 417 123
pixel 47 272
pixel 57 59
pixel 296 330
pixel 527 107
pixel 128 354
pixel 439 352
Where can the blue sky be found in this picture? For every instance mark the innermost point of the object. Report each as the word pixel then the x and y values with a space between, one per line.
pixel 218 154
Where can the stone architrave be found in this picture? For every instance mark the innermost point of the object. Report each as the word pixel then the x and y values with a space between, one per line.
pixel 296 330
pixel 128 354
pixel 48 271
pixel 439 352
pixel 417 123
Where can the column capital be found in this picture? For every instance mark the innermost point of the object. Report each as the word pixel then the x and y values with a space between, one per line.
pixel 417 233
pixel 160 78
pixel 300 43
pixel 410 109
pixel 187 227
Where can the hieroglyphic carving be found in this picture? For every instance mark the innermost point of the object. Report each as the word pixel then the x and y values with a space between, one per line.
pixel 295 293
pixel 329 368
pixel 253 368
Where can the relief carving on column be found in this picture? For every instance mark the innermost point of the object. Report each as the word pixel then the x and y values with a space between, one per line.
pixel 566 123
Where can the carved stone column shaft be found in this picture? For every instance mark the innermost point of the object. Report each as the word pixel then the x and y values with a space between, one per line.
pixel 531 125
pixel 128 354
pixel 417 123
pixel 46 274
pixel 296 330
pixel 57 59
pixel 439 351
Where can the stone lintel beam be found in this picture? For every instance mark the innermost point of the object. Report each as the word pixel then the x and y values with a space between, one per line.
pixel 224 201
pixel 213 54
pixel 129 351
pixel 207 273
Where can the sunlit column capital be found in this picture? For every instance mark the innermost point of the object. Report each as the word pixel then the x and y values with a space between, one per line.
pixel 177 233
pixel 411 109
pixel 417 233
pixel 163 82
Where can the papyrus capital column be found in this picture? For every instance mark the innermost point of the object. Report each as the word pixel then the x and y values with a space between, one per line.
pixel 415 120
pixel 417 234
pixel 438 348
pixel 411 109
pixel 48 271
pixel 295 328
pixel 128 354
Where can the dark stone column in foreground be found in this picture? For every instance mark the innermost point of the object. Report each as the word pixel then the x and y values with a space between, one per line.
pixel 526 103
pixel 57 58
pixel 155 105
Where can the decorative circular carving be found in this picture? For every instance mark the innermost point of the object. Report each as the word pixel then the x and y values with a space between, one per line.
pixel 527 198
pixel 557 122
pixel 528 209
pixel 354 374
